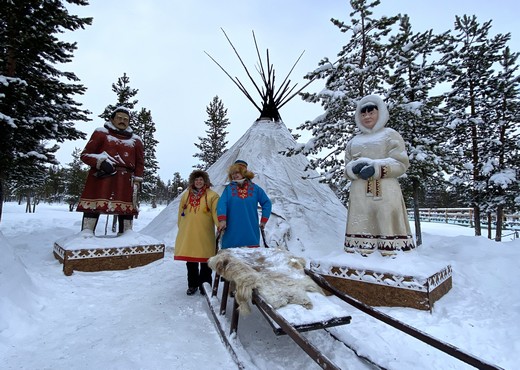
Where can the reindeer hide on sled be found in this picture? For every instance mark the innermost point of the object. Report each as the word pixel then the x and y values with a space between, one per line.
pixel 276 274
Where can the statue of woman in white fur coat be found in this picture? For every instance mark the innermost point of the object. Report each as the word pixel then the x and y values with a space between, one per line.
pixel 375 158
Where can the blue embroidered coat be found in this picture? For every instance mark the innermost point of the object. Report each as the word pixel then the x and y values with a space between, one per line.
pixel 238 206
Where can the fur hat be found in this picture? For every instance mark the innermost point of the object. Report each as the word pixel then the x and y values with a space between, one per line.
pixel 381 108
pixel 199 173
pixel 240 166
pixel 124 110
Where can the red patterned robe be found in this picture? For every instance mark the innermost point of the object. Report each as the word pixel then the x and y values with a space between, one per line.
pixel 112 194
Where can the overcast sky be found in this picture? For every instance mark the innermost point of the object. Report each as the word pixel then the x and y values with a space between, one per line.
pixel 160 45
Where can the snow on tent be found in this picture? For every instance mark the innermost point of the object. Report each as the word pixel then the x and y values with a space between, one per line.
pixel 298 198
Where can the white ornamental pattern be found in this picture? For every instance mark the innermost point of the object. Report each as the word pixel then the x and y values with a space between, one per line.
pixel 80 254
pixel 397 281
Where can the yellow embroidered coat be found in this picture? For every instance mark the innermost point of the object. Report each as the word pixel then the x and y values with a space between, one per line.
pixel 197 221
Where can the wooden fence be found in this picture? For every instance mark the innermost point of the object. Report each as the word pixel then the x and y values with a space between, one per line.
pixel 464 217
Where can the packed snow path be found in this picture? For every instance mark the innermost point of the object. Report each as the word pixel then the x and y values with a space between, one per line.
pixel 142 318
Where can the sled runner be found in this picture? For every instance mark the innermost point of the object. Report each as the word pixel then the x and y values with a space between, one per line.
pixel 294 316
pixel 317 312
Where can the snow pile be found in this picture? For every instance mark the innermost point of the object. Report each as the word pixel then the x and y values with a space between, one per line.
pixel 18 294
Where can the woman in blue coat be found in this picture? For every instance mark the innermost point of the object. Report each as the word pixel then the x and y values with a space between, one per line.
pixel 237 209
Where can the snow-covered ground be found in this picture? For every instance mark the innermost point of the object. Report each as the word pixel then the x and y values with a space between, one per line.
pixel 142 319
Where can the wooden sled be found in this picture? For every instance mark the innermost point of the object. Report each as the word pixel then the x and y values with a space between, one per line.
pixel 281 325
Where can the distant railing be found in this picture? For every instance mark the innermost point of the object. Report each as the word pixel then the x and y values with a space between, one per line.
pixel 464 217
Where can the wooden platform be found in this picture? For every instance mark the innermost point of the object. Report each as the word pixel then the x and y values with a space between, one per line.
pixel 387 285
pixel 106 253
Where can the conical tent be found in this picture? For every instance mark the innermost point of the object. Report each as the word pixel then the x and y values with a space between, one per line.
pixel 307 215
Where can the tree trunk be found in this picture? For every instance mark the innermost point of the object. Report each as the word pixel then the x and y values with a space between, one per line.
pixel 1 197
pixel 28 205
pixel 490 225
pixel 476 220
pixel 416 213
pixel 500 223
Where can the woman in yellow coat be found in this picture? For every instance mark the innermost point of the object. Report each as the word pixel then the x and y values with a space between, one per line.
pixel 197 219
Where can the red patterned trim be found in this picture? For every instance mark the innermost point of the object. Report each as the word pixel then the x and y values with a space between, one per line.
pixel 384 171
pixel 190 259
pixel 244 191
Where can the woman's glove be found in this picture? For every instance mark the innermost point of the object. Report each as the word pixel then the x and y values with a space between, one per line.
pixel 367 172
pixel 358 167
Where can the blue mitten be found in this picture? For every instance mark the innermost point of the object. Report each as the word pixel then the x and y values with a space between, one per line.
pixel 358 167
pixel 367 172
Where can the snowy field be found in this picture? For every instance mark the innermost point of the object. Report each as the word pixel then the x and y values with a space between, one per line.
pixel 142 319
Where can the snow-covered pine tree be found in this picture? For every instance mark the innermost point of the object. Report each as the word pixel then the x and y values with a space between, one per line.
pixel 502 160
pixel 470 57
pixel 75 178
pixel 361 69
pixel 214 144
pixel 144 126
pixel 415 110
pixel 37 103
pixel 124 94
pixel 177 185
pixel 54 187
pixel 27 180
pixel 161 191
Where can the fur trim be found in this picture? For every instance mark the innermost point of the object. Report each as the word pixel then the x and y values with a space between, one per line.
pixel 128 132
pixel 238 167
pixel 382 109
pixel 199 173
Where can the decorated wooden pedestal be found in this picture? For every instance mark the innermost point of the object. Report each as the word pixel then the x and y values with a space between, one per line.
pixel 392 282
pixel 89 253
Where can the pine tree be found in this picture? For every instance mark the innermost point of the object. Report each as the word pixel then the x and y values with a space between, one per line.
pixel 501 155
pixel 213 146
pixel 54 187
pixel 177 185
pixel 124 95
pixel 161 192
pixel 36 98
pixel 362 68
pixel 28 182
pixel 470 57
pixel 75 178
pixel 415 111
pixel 144 126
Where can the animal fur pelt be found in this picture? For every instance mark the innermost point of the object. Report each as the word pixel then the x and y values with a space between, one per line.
pixel 278 276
